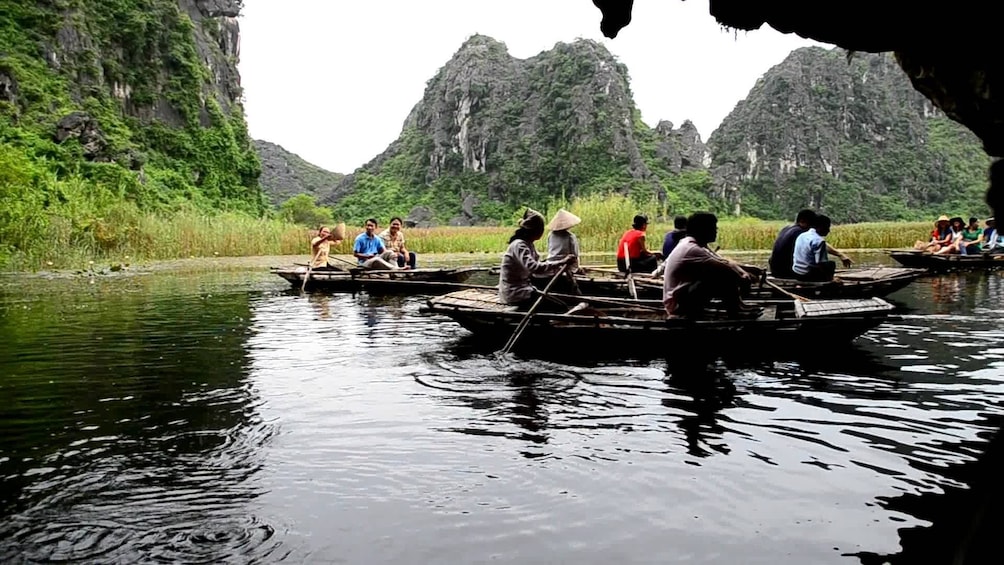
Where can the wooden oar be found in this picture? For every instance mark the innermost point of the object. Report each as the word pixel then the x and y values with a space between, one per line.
pixel 309 267
pixel 529 313
pixel 630 279
pixel 785 292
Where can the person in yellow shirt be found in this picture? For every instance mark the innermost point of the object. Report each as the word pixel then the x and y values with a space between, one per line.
pixel 320 245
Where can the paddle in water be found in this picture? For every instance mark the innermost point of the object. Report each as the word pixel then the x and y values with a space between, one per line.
pixel 529 313
pixel 306 277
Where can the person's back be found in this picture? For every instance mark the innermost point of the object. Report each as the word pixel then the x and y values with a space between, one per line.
pixel 674 237
pixel 780 261
pixel 781 254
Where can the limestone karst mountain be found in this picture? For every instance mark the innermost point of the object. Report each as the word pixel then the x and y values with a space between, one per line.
pixel 493 133
pixel 846 134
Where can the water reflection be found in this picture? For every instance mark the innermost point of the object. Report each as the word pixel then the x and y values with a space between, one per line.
pixel 208 418
pixel 700 392
pixel 129 426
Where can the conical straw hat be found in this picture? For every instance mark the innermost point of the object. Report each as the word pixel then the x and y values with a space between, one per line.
pixel 339 232
pixel 563 220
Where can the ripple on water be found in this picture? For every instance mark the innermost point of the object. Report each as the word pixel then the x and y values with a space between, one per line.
pixel 220 425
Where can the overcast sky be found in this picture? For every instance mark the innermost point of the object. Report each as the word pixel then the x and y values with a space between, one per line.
pixel 333 80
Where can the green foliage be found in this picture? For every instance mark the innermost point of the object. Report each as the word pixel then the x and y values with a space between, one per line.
pixel 134 68
pixel 302 209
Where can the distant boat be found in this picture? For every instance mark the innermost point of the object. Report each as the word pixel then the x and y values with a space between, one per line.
pixel 612 327
pixel 949 262
pixel 861 282
pixel 417 281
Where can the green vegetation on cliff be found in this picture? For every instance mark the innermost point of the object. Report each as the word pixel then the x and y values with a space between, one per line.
pixel 850 137
pixel 493 134
pixel 110 111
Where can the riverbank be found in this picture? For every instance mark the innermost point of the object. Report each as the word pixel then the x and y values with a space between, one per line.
pixel 235 236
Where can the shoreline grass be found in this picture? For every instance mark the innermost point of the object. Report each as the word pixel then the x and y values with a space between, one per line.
pixel 234 235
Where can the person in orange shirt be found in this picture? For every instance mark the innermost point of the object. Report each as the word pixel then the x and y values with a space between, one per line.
pixel 632 252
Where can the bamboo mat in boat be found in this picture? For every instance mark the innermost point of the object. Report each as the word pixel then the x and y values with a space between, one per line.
pixel 838 307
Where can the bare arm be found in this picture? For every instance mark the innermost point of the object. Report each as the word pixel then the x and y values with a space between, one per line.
pixel 843 256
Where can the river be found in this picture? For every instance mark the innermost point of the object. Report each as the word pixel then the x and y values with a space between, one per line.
pixel 218 415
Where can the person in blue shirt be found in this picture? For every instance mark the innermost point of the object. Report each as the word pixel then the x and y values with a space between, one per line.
pixel 809 260
pixel 992 238
pixel 669 242
pixel 672 238
pixel 368 247
pixel 784 246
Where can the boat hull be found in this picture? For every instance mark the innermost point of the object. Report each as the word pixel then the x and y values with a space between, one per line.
pixel 948 263
pixel 850 283
pixel 784 326
pixel 417 281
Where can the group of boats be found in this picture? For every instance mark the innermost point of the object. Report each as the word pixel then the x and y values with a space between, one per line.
pixel 623 314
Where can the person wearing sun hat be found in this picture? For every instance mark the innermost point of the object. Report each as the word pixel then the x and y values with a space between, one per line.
pixel 941 236
pixel 561 242
pixel 521 262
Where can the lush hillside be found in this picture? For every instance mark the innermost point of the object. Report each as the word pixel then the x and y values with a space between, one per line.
pixel 285 174
pixel 847 135
pixel 109 108
pixel 493 133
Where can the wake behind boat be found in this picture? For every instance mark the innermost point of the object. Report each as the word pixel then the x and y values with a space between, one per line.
pixel 418 281
pixel 622 328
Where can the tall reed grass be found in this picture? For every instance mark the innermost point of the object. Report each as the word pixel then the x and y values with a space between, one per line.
pixel 127 236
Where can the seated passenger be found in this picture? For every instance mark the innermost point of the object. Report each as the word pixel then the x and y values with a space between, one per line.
pixel 940 236
pixel 561 243
pixel 368 248
pixel 637 257
pixel 810 261
pixel 955 242
pixel 320 245
pixel 393 240
pixel 695 275
pixel 521 262
pixel 972 238
pixel 670 241
pixel 993 242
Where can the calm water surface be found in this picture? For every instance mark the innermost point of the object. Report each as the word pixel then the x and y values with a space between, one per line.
pixel 219 416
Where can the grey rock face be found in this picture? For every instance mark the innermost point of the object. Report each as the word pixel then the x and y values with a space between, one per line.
pixel 8 88
pixel 84 128
pixel 821 122
pixel 285 174
pixel 485 108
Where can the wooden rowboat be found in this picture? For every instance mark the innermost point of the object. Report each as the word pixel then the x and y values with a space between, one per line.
pixel 418 281
pixel 949 263
pixel 625 327
pixel 860 282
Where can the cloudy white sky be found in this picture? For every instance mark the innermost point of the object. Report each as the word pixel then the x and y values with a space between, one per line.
pixel 333 80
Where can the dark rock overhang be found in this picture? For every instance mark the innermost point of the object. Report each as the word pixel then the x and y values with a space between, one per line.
pixel 950 52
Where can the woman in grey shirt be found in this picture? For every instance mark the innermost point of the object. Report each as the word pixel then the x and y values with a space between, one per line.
pixel 521 262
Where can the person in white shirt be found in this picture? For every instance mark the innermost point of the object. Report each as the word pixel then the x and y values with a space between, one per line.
pixel 810 261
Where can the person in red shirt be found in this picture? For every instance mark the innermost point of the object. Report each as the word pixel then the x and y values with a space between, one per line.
pixel 637 256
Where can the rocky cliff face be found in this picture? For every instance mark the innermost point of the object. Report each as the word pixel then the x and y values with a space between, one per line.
pixel 846 134
pixel 148 87
pixel 285 174
pixel 518 132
